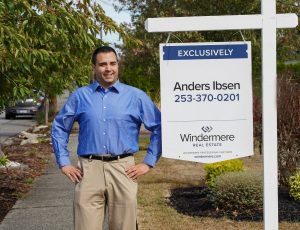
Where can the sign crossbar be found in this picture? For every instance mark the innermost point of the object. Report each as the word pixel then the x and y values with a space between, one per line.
pixel 208 23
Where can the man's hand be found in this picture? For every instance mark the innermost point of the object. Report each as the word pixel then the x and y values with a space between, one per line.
pixel 73 173
pixel 133 172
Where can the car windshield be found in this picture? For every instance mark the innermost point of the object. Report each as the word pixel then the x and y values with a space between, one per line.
pixel 27 102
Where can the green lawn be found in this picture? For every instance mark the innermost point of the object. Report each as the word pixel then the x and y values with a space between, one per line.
pixel 154 191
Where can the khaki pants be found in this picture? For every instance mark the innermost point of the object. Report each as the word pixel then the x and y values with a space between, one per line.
pixel 105 184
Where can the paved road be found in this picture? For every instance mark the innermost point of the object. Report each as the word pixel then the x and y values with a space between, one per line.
pixel 9 128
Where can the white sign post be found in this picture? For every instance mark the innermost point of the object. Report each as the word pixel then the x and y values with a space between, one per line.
pixel 206 100
pixel 268 21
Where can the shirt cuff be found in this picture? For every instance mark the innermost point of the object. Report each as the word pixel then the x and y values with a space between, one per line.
pixel 63 161
pixel 150 160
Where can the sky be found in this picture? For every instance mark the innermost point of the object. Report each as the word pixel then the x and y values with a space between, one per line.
pixel 123 16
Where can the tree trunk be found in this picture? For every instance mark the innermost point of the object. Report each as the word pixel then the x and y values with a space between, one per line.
pixel 46 110
pixel 53 105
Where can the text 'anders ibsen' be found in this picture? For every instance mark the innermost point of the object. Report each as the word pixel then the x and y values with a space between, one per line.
pixel 215 85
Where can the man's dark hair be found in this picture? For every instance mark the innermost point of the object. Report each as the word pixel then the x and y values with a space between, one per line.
pixel 102 49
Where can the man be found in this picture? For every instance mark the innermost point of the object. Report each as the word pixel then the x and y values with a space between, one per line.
pixel 109 114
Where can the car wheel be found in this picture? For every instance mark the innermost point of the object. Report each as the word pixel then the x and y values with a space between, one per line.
pixel 7 116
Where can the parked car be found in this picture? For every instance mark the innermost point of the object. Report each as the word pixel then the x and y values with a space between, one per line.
pixel 27 107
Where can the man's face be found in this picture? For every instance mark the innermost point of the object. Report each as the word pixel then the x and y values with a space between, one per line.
pixel 106 69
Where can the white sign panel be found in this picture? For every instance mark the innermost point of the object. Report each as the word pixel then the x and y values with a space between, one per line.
pixel 206 101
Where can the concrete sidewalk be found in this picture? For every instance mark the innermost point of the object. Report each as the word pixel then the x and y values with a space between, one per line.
pixel 48 205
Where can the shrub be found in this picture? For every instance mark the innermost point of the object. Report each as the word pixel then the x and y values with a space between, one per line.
pixel 288 101
pixel 294 184
pixel 3 160
pixel 215 169
pixel 288 121
pixel 238 192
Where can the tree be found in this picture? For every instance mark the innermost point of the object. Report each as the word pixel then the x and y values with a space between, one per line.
pixel 46 45
pixel 142 62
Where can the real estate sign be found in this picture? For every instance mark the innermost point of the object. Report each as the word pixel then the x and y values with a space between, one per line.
pixel 206 101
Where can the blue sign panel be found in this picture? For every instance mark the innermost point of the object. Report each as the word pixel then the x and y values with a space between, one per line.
pixel 190 52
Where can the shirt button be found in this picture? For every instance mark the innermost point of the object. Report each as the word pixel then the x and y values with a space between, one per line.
pixel 104 146
pixel 104 119
pixel 104 133
pixel 104 107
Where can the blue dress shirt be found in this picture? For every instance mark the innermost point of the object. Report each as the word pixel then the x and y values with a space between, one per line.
pixel 109 122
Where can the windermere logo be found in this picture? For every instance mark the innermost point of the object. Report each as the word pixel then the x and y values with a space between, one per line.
pixel 206 129
pixel 188 137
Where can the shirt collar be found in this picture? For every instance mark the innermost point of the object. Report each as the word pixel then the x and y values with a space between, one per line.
pixel 116 86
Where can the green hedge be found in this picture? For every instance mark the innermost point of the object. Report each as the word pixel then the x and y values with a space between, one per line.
pixel 294 184
pixel 215 169
pixel 238 191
